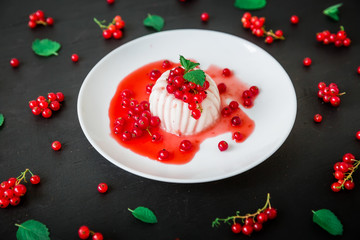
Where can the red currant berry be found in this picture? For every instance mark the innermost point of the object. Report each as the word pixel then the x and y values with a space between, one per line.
pixel 102 187
pixel 4 202
pixel 343 167
pixel 348 158
pixel 33 17
pixel 33 104
pixel 56 145
pixel 50 21
pixel 271 213
pixel 335 101
pixel 358 70
pixel 19 190
pixel 74 57
pixel 51 96
pixel 126 136
pixel 40 14
pixel 98 236
pixel 196 113
pixel 166 64
pixel 40 99
pixel 46 113
pixel 4 185
pixel 235 121
pixel 110 1
pixel 349 185
pixel 320 37
pixel 347 42
pixel 36 111
pixel 339 175
pixel 11 181
pixel 294 19
pixel 248 102
pixel 226 111
pixel 60 96
pixel 336 187
pixel 204 17
pixel 14 201
pixel 254 90
pixel 32 24
pixel 221 87
pixel 117 34
pixel 247 94
pixel 317 118
pixel 223 146
pixel 307 61
pixel 226 72
pixel 156 137
pixel 84 232
pixel 247 229
pixel 43 104
pixel 236 228
pixel 237 136
pixel 55 105
pixel 14 62
pixel 8 193
pixel 234 105
pixel 257 226
pixel 35 179
pixel 107 34
pixel 185 146
pixel 163 155
pixel 262 217
pixel 357 135
pixel 269 39
pixel 154 74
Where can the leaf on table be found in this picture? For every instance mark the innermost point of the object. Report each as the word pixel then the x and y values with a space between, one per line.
pixel 154 21
pixel 1 119
pixel 144 214
pixel 45 47
pixel 32 230
pixel 333 11
pixel 250 4
pixel 196 76
pixel 328 221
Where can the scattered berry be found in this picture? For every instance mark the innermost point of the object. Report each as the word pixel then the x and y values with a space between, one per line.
pixel 318 118
pixel 223 146
pixel 226 72
pixel 74 57
pixel 294 19
pixel 307 61
pixel 110 1
pixel 102 187
pixel 357 135
pixel 163 154
pixel 14 62
pixel 204 17
pixel 97 236
pixel 56 145
pixel 84 232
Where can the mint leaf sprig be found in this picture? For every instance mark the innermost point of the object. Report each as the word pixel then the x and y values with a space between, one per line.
pixel 32 229
pixel 328 221
pixel 333 11
pixel 196 76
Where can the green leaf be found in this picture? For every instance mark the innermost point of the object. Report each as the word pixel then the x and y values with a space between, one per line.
pixel 1 119
pixel 250 4
pixel 195 76
pixel 45 47
pixel 32 230
pixel 155 22
pixel 328 221
pixel 187 64
pixel 144 214
pixel 333 11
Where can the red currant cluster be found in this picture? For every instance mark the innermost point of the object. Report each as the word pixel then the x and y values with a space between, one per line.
pixel 250 222
pixel 344 171
pixel 38 17
pixel 114 29
pixel 138 119
pixel 329 93
pixel 189 92
pixel 256 25
pixel 84 233
pixel 249 95
pixel 12 189
pixel 44 106
pixel 338 39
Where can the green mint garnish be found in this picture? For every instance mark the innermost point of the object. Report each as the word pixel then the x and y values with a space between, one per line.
pixel 45 47
pixel 196 76
pixel 144 214
pixel 328 221
pixel 333 11
pixel 249 4
pixel 154 21
pixel 33 230
pixel 1 119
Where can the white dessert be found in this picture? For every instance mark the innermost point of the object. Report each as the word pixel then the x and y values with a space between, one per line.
pixel 175 115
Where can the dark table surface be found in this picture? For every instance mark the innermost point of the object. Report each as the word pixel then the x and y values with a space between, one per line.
pixel 298 175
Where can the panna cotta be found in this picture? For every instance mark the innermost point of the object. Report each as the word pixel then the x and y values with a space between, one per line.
pixel 174 112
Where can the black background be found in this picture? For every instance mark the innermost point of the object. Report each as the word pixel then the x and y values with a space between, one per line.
pixel 298 175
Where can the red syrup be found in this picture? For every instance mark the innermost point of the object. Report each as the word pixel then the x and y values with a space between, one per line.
pixel 137 81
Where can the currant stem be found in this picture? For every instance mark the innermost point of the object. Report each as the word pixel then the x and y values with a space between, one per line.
pixel 22 176
pixel 100 23
pixel 272 34
pixel 349 176
pixel 217 221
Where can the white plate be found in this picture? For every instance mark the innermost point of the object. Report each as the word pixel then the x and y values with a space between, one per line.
pixel 274 111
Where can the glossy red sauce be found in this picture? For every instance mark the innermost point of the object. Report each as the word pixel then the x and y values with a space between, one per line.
pixel 137 81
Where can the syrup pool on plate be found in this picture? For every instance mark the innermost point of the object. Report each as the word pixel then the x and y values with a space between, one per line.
pixel 137 82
